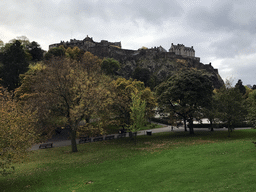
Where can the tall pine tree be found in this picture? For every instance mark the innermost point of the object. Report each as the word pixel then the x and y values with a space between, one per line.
pixel 13 64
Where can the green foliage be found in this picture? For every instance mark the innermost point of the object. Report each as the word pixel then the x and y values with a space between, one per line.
pixel 231 105
pixel 142 74
pixel 137 114
pixel 110 66
pixel 14 63
pixel 251 107
pixel 54 52
pixel 240 87
pixel 122 92
pixel 185 94
pixel 35 51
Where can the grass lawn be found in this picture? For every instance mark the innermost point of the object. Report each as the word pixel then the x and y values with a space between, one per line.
pixel 206 161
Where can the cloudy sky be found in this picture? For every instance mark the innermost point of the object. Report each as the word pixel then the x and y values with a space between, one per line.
pixel 222 31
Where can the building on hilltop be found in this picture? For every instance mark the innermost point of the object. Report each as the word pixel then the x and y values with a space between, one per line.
pixel 114 49
pixel 180 49
pixel 86 44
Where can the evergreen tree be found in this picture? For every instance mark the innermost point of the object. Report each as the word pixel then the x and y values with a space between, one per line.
pixel 13 64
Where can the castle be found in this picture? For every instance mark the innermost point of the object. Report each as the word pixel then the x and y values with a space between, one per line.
pixel 114 49
pixel 156 59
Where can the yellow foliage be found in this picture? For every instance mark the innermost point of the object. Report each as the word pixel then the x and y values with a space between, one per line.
pixel 16 131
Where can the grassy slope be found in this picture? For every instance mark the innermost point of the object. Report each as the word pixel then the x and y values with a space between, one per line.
pixel 162 162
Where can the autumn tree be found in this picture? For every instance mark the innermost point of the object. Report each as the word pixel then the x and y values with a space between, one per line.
pixel 74 53
pixel 185 94
pixel 73 90
pixel 17 131
pixel 122 92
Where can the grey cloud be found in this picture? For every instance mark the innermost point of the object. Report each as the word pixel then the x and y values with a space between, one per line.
pixel 151 11
pixel 234 44
pixel 211 19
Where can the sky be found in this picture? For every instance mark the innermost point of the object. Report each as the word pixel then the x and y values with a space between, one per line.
pixel 221 31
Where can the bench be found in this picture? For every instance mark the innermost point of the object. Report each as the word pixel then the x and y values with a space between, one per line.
pixel 131 134
pixel 98 139
pixel 121 135
pixel 109 137
pixel 84 139
pixel 45 145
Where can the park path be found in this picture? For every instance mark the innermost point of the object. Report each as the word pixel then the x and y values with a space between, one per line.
pixel 165 128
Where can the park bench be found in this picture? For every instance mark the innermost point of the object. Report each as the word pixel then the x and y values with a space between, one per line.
pixel 131 134
pixel 45 145
pixel 84 139
pixel 109 137
pixel 121 135
pixel 98 139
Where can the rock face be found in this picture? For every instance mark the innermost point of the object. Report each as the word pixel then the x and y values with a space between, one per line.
pixel 162 67
pixel 160 63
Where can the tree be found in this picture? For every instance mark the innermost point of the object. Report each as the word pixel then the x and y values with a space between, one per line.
pixel 251 107
pixel 72 90
pixel 230 104
pixel 240 87
pixel 35 50
pixel 13 64
pixel 142 74
pixel 185 94
pixel 211 111
pixel 55 52
pixel 1 44
pixel 17 124
pixel 23 40
pixel 137 114
pixel 122 92
pixel 110 66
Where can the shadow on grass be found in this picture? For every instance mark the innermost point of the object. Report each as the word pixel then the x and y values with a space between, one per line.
pixel 170 139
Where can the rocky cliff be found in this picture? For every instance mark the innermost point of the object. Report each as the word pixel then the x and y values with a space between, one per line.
pixel 162 65
pixel 156 64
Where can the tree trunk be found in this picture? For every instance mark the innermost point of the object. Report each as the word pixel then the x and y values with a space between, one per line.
pixel 73 140
pixel 191 126
pixel 229 126
pixel 185 124
pixel 211 125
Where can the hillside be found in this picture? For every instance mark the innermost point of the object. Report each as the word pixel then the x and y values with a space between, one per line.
pixel 156 64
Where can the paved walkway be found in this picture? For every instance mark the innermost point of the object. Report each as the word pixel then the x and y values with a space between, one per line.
pixel 144 132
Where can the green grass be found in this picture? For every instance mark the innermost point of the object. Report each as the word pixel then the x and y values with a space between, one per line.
pixel 206 161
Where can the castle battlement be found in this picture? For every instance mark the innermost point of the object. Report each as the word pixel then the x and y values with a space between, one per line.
pixel 86 43
pixel 105 48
